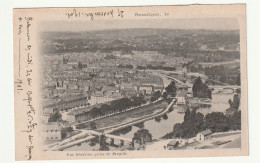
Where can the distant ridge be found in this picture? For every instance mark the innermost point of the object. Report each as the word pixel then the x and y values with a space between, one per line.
pixel 131 32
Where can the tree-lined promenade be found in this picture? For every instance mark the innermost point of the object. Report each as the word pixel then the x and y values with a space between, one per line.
pixel 120 117
pixel 121 105
pixel 117 107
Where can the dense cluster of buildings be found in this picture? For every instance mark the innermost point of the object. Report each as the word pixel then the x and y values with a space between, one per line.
pixel 71 86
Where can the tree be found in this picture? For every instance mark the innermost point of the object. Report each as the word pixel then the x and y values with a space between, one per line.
pixel 100 112
pixel 187 115
pixel 176 144
pixel 65 130
pixel 93 112
pixel 102 142
pixel 200 89
pixel 137 101
pixel 105 108
pixel 142 136
pixel 164 95
pixel 192 124
pixel 230 103
pixel 235 103
pixel 157 119
pixel 199 120
pixel 155 96
pixel 165 117
pixel 217 122
pixel 93 142
pixel 171 89
pixel 178 131
pixel 123 131
pixel 197 87
pixel 234 121
pixel 93 125
pixel 140 125
pixel 124 103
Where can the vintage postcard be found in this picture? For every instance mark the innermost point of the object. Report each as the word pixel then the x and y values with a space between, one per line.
pixel 130 82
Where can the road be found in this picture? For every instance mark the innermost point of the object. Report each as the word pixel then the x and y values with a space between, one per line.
pixel 66 142
pixel 109 135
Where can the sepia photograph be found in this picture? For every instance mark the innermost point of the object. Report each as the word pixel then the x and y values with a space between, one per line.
pixel 142 88
pixel 131 82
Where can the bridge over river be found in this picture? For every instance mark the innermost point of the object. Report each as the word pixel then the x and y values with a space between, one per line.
pixel 216 88
pixel 227 89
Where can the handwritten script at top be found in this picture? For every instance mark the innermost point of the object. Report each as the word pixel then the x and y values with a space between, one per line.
pixel 92 15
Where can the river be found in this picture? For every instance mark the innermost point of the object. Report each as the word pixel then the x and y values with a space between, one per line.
pixel 164 125
pixel 219 103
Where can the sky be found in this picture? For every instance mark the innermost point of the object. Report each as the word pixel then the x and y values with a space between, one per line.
pixel 191 23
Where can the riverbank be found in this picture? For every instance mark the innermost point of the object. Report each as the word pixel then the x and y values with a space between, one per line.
pixel 130 116
pixel 219 140
pixel 136 116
